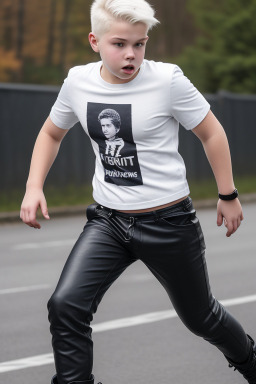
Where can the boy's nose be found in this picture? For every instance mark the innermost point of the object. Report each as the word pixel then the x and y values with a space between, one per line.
pixel 130 54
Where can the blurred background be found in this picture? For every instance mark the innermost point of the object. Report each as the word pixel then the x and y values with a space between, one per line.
pixel 212 41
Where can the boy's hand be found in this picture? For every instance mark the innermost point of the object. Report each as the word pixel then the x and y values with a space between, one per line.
pixel 231 213
pixel 33 198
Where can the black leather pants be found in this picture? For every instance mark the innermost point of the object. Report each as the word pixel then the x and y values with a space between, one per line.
pixel 171 244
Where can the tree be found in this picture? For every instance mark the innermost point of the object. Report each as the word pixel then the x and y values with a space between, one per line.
pixel 176 29
pixel 8 63
pixel 20 29
pixel 64 32
pixel 51 36
pixel 224 56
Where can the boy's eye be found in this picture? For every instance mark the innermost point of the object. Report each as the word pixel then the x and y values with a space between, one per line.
pixel 139 44
pixel 119 44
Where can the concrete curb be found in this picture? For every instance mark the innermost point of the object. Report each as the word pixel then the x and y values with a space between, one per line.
pixel 79 210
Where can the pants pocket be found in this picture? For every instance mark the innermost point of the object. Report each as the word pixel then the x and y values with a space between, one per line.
pixel 180 220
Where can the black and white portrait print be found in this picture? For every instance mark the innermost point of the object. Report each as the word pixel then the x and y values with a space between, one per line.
pixel 110 126
pixel 110 122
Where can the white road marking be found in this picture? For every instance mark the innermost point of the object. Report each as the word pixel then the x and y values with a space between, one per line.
pixel 238 300
pixel 39 360
pixel 34 361
pixel 139 278
pixel 134 278
pixel 24 289
pixel 45 244
pixel 134 320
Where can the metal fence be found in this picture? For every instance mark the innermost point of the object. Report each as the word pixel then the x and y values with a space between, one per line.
pixel 24 108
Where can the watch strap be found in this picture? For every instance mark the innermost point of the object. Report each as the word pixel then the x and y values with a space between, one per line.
pixel 232 196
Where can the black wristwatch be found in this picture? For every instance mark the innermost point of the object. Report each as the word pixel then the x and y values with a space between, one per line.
pixel 232 196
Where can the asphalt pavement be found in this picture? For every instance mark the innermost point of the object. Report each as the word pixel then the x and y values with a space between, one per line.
pixel 137 335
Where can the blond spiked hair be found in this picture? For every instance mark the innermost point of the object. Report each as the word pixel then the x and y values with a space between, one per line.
pixel 105 12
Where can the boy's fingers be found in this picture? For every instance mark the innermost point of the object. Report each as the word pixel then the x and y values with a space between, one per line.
pixel 229 231
pixel 235 226
pixel 25 217
pixel 229 227
pixel 29 218
pixel 219 219
pixel 232 227
pixel 44 209
pixel 33 221
pixel 45 212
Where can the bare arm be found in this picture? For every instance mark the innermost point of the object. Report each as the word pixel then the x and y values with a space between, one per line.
pixel 215 143
pixel 45 151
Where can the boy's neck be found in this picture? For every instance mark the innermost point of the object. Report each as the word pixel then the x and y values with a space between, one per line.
pixel 111 79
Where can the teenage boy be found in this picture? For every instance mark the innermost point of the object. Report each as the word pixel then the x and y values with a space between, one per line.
pixel 144 213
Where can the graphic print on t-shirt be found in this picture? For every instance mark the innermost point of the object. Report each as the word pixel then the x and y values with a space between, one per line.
pixel 110 126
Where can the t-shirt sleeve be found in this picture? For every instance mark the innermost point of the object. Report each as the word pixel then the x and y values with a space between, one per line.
pixel 188 105
pixel 62 113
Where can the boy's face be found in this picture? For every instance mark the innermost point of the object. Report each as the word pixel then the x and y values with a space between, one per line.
pixel 122 50
pixel 108 128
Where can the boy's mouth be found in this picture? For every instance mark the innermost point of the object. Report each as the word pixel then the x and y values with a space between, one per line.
pixel 128 69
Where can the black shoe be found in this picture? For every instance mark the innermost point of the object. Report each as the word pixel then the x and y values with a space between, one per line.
pixel 54 380
pixel 91 381
pixel 247 369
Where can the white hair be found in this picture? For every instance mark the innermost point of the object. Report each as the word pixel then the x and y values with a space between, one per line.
pixel 104 12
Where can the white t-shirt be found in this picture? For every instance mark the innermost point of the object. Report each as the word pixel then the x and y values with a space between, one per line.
pixel 140 166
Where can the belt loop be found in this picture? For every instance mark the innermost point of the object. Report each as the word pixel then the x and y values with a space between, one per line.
pixel 184 203
pixel 187 203
pixel 156 215
pixel 108 211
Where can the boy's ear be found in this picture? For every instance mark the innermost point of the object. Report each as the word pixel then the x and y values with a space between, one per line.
pixel 94 42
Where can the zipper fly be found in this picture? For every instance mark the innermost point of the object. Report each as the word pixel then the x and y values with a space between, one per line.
pixel 128 233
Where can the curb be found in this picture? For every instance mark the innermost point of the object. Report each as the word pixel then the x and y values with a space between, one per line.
pixel 79 210
pixel 76 210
